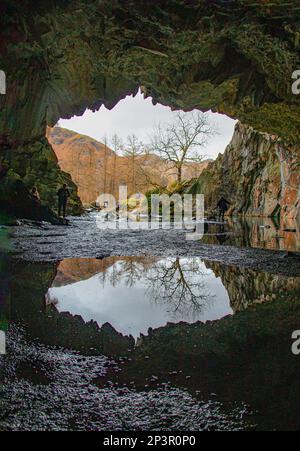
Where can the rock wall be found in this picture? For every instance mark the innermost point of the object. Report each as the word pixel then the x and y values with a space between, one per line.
pixel 257 173
pixel 234 57
pixel 61 57
pixel 28 165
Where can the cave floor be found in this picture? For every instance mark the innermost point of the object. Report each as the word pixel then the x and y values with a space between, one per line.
pixel 225 365
pixel 238 246
pixel 49 389
pixel 64 371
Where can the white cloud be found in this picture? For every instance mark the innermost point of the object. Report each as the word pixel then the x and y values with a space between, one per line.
pixel 137 115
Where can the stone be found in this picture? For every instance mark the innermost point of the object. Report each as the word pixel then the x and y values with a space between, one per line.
pixel 257 174
pixel 27 166
pixel 235 59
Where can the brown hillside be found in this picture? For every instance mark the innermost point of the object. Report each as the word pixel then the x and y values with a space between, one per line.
pixel 96 169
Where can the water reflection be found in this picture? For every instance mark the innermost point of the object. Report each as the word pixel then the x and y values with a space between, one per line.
pixel 181 285
pixel 256 233
pixel 244 357
pixel 134 294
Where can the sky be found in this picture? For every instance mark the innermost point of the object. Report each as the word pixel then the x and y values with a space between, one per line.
pixel 136 115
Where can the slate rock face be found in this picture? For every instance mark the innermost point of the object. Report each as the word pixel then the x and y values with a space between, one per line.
pixel 258 174
pixel 28 166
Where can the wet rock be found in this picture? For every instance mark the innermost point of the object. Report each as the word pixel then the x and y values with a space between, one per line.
pixel 73 402
pixel 38 168
pixel 258 174
pixel 17 200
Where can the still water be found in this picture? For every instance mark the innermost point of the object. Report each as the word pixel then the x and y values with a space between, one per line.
pixel 133 294
pixel 263 233
pixel 190 375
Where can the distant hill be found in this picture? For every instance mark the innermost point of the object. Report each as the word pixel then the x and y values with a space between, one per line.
pixel 96 169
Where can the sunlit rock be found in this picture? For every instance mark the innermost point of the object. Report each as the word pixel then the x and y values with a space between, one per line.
pixel 258 174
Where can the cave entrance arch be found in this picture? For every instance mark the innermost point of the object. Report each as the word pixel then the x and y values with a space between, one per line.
pixel 235 57
pixel 108 149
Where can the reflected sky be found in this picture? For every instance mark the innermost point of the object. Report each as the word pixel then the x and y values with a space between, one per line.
pixel 133 295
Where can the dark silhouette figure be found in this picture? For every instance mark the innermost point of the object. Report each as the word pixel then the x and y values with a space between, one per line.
pixel 63 196
pixel 223 206
pixel 35 194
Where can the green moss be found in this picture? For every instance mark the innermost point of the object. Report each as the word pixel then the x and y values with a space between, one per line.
pixel 77 55
pixel 274 169
pixel 277 119
pixel 36 165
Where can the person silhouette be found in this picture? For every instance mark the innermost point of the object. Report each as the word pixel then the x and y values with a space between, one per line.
pixel 223 206
pixel 63 196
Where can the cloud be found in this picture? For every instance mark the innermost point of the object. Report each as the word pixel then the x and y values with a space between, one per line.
pixel 137 115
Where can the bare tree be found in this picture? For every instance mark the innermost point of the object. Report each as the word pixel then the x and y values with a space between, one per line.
pixel 117 146
pixel 150 172
pixel 133 150
pixel 179 142
pixel 105 140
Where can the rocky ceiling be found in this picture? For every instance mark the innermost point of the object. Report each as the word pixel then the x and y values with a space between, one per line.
pixel 235 57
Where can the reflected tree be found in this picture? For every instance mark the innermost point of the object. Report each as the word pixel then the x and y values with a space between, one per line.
pixel 127 270
pixel 180 284
pixel 131 272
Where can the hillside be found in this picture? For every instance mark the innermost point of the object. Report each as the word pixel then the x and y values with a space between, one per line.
pixel 96 169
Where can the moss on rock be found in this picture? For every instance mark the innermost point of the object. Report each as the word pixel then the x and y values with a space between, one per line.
pixel 62 57
pixel 257 174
